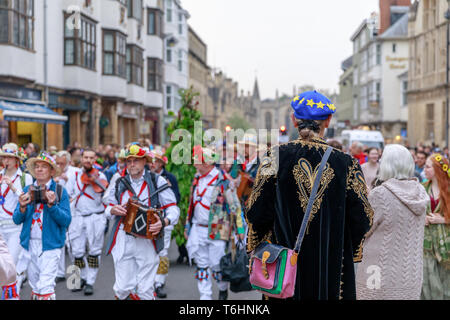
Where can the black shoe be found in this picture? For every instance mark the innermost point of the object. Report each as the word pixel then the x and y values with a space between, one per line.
pixel 223 295
pixel 183 254
pixel 88 290
pixel 60 279
pixel 82 284
pixel 160 293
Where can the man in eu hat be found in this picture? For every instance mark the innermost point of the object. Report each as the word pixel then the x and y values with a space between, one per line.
pixel 341 214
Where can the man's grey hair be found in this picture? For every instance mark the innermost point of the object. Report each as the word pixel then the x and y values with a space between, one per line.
pixel 358 145
pixel 396 162
pixel 64 154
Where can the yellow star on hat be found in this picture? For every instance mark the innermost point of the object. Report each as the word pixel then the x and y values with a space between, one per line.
pixel 331 106
pixel 297 98
pixel 320 105
pixel 310 103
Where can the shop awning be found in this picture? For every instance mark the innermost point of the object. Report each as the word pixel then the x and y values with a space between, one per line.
pixel 17 111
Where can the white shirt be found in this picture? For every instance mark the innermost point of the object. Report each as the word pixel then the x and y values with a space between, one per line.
pixel 86 205
pixel 167 199
pixel 11 198
pixel 36 232
pixel 112 186
pixel 70 173
pixel 201 214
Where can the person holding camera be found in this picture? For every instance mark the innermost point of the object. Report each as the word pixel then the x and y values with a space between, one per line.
pixel 44 212
pixel 12 182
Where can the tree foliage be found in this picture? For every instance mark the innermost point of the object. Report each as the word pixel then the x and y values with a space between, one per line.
pixel 184 173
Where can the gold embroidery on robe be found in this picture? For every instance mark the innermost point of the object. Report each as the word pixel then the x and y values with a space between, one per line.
pixel 356 182
pixel 304 177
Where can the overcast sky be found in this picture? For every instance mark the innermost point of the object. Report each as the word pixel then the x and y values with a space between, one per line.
pixel 282 42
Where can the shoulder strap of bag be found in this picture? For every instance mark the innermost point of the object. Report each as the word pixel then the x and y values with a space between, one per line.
pixel 312 197
pixel 127 185
pixel 59 191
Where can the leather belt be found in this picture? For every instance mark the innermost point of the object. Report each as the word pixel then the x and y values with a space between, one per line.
pixel 89 214
pixel 202 225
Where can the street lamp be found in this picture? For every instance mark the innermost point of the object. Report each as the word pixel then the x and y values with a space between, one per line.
pixel 447 16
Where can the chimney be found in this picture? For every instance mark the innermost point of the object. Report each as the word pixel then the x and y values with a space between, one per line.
pixel 385 12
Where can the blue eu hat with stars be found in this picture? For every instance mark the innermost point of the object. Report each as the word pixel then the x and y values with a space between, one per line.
pixel 311 105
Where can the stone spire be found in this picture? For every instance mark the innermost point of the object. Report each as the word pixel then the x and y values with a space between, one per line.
pixel 256 91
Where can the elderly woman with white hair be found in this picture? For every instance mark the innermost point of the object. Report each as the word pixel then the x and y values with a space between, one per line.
pixel 393 252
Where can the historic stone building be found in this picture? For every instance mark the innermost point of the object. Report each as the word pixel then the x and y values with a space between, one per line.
pixel 426 94
pixel 199 77
pixel 374 81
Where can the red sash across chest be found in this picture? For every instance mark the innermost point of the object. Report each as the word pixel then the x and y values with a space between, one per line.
pixel 144 186
pixel 82 191
pixel 201 194
pixel 5 194
pixel 37 216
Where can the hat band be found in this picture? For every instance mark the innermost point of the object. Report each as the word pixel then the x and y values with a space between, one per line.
pixel 310 117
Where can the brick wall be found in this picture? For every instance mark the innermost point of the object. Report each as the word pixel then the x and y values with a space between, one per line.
pixel 385 12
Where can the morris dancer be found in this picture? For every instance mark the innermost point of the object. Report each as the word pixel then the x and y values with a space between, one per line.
pixel 13 180
pixel 135 258
pixel 88 223
pixel 44 226
pixel 214 207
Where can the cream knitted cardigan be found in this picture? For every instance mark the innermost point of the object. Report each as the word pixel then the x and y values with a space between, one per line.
pixel 391 267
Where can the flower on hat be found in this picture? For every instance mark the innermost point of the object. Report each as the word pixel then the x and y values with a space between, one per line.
pixel 134 149
pixel 438 158
pixel 46 157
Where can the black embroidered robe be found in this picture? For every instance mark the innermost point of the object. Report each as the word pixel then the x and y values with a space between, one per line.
pixel 340 217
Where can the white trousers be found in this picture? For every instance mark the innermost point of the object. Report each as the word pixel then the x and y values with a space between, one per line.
pixel 62 265
pixel 62 261
pixel 207 254
pixel 161 278
pixel 88 230
pixel 43 268
pixel 11 235
pixel 135 266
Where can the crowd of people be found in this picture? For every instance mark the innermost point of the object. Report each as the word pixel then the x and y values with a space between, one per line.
pixel 378 229
pixel 54 199
pixel 84 190
pixel 411 205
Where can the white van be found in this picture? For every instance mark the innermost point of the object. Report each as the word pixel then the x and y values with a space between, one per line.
pixel 366 137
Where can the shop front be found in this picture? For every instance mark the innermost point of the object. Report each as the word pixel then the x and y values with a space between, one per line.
pixel 24 117
pixel 128 123
pixel 77 128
